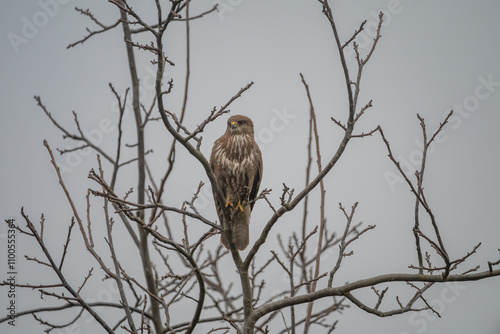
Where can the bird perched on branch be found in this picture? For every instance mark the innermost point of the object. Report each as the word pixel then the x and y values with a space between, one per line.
pixel 237 164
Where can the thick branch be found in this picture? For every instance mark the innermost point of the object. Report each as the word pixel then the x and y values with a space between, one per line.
pixel 368 282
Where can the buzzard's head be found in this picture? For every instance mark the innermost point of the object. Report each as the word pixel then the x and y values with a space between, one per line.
pixel 239 124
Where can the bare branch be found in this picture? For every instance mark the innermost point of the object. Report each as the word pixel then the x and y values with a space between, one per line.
pixel 345 289
pixel 91 33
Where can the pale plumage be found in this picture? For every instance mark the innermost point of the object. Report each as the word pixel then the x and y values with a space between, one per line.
pixel 237 164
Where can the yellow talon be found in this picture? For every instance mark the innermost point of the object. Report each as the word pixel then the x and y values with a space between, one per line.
pixel 228 202
pixel 239 206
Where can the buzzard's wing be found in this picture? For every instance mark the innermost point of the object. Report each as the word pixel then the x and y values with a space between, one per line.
pixel 257 176
pixel 217 172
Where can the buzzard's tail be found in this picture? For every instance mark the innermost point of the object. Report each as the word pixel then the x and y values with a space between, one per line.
pixel 241 234
pixel 240 231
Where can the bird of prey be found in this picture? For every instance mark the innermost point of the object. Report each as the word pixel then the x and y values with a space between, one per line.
pixel 237 164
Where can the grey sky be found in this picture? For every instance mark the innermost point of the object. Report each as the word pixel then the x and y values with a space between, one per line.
pixel 433 57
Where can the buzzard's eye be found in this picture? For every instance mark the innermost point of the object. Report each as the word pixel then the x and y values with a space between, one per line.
pixel 240 122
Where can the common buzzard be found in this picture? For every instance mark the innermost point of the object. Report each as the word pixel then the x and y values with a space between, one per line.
pixel 237 164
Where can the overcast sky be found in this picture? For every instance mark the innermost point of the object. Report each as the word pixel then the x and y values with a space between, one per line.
pixel 432 57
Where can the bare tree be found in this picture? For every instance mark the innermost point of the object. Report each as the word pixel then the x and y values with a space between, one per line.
pixel 187 277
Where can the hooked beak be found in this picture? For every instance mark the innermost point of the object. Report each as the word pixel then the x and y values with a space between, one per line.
pixel 233 125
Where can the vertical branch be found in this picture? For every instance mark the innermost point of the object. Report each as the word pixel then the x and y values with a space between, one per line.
pixel 343 244
pixel 352 108
pixel 117 277
pixel 292 290
pixel 421 196
pixel 171 154
pixel 144 250
pixel 302 254
pixel 420 181
pixel 121 107
pixel 322 204
pixel 188 66
pixel 116 164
